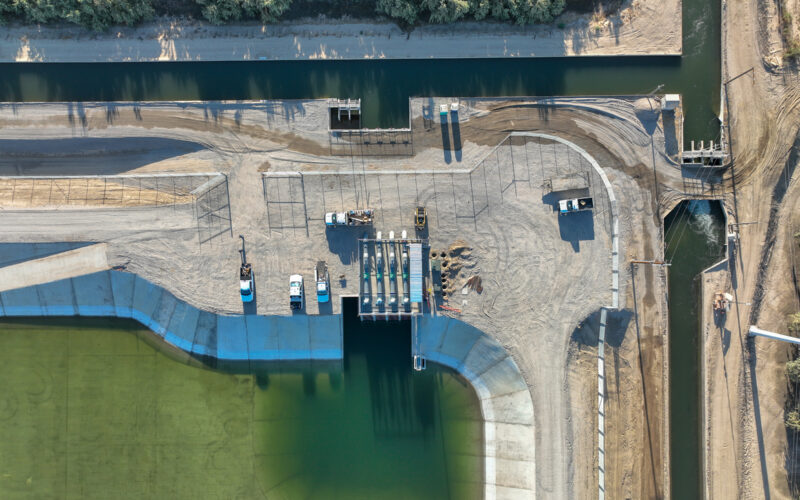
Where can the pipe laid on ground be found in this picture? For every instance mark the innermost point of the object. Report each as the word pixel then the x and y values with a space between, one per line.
pixel 758 332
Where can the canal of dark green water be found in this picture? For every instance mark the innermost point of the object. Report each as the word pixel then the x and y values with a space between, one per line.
pixel 695 240
pixel 91 408
pixel 360 432
pixel 385 86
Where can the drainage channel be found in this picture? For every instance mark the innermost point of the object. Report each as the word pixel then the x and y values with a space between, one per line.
pixel 694 235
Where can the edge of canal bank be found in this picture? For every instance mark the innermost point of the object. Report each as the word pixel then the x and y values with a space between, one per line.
pixel 641 28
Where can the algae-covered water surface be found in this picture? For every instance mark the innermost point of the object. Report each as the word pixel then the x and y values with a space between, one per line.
pixel 91 408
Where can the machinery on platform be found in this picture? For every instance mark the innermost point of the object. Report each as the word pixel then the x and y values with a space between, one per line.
pixel 350 218
pixel 323 282
pixel 574 205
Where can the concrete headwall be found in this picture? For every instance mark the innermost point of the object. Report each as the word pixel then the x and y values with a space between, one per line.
pixel 506 405
pixel 227 338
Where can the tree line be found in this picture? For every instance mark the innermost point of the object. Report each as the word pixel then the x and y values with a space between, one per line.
pixel 99 15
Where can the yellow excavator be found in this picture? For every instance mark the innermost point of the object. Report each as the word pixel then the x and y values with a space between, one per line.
pixel 420 218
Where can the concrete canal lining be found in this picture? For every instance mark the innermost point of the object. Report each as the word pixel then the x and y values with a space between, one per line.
pixel 505 400
pixel 202 333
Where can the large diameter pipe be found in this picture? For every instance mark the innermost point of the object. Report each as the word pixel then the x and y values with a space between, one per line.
pixel 758 332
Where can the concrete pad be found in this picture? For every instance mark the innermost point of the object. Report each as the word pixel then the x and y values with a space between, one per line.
pixel 187 328
pixel 78 262
pixel 325 337
pixel 516 474
pixel 93 294
pixel 506 493
pixel 178 314
pixel 485 353
pixel 14 253
pixel 513 408
pixel 232 338
pixel 163 313
pixel 146 297
pixel 514 442
pixel 21 302
pixel 205 337
pixel 122 285
pixel 177 341
pixel 57 298
pixel 459 339
pixel 431 332
pixel 503 378
pixel 262 339
pixel 293 337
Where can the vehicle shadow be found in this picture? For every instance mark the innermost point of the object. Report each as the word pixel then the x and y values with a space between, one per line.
pixel 251 307
pixel 343 241
pixel 576 227
pixel 448 158
pixel 325 307
pixel 456 135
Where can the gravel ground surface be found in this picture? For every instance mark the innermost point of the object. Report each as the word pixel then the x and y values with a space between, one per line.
pixel 544 277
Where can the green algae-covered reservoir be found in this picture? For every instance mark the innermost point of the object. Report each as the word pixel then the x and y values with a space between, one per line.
pixel 91 408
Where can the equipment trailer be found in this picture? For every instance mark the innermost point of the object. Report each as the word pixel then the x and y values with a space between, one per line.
pixel 350 218
pixel 574 205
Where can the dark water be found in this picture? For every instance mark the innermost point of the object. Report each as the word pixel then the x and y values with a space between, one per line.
pixel 385 86
pixel 91 408
pixel 695 239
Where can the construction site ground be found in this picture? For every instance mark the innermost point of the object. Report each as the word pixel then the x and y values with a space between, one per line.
pixel 482 175
pixel 748 453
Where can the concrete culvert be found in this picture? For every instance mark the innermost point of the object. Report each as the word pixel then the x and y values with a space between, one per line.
pixel 444 263
pixel 444 254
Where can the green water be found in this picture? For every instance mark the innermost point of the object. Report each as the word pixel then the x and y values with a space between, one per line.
pixel 385 86
pixel 90 409
pixel 695 240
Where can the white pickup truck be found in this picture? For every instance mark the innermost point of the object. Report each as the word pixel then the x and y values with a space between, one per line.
pixel 574 205
pixel 296 295
pixel 350 218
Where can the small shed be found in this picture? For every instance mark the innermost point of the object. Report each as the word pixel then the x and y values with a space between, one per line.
pixel 670 102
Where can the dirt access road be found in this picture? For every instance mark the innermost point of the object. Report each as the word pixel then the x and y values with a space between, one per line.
pixel 746 388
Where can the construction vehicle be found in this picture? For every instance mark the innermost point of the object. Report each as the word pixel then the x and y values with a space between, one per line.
pixel 296 294
pixel 722 302
pixel 350 218
pixel 574 205
pixel 323 285
pixel 246 282
pixel 420 218
pixel 246 290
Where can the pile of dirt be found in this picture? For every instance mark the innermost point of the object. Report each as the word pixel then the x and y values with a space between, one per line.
pixel 459 269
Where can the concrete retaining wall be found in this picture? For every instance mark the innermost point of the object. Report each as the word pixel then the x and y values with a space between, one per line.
pixel 506 406
pixel 227 338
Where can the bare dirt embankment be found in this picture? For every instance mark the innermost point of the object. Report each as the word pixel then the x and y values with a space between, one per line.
pixel 642 27
pixel 745 386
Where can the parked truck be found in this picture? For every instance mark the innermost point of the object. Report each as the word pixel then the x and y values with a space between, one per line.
pixel 323 283
pixel 296 291
pixel 246 282
pixel 350 218
pixel 571 205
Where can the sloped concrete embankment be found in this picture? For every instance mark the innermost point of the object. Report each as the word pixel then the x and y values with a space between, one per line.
pixel 506 406
pixel 201 333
